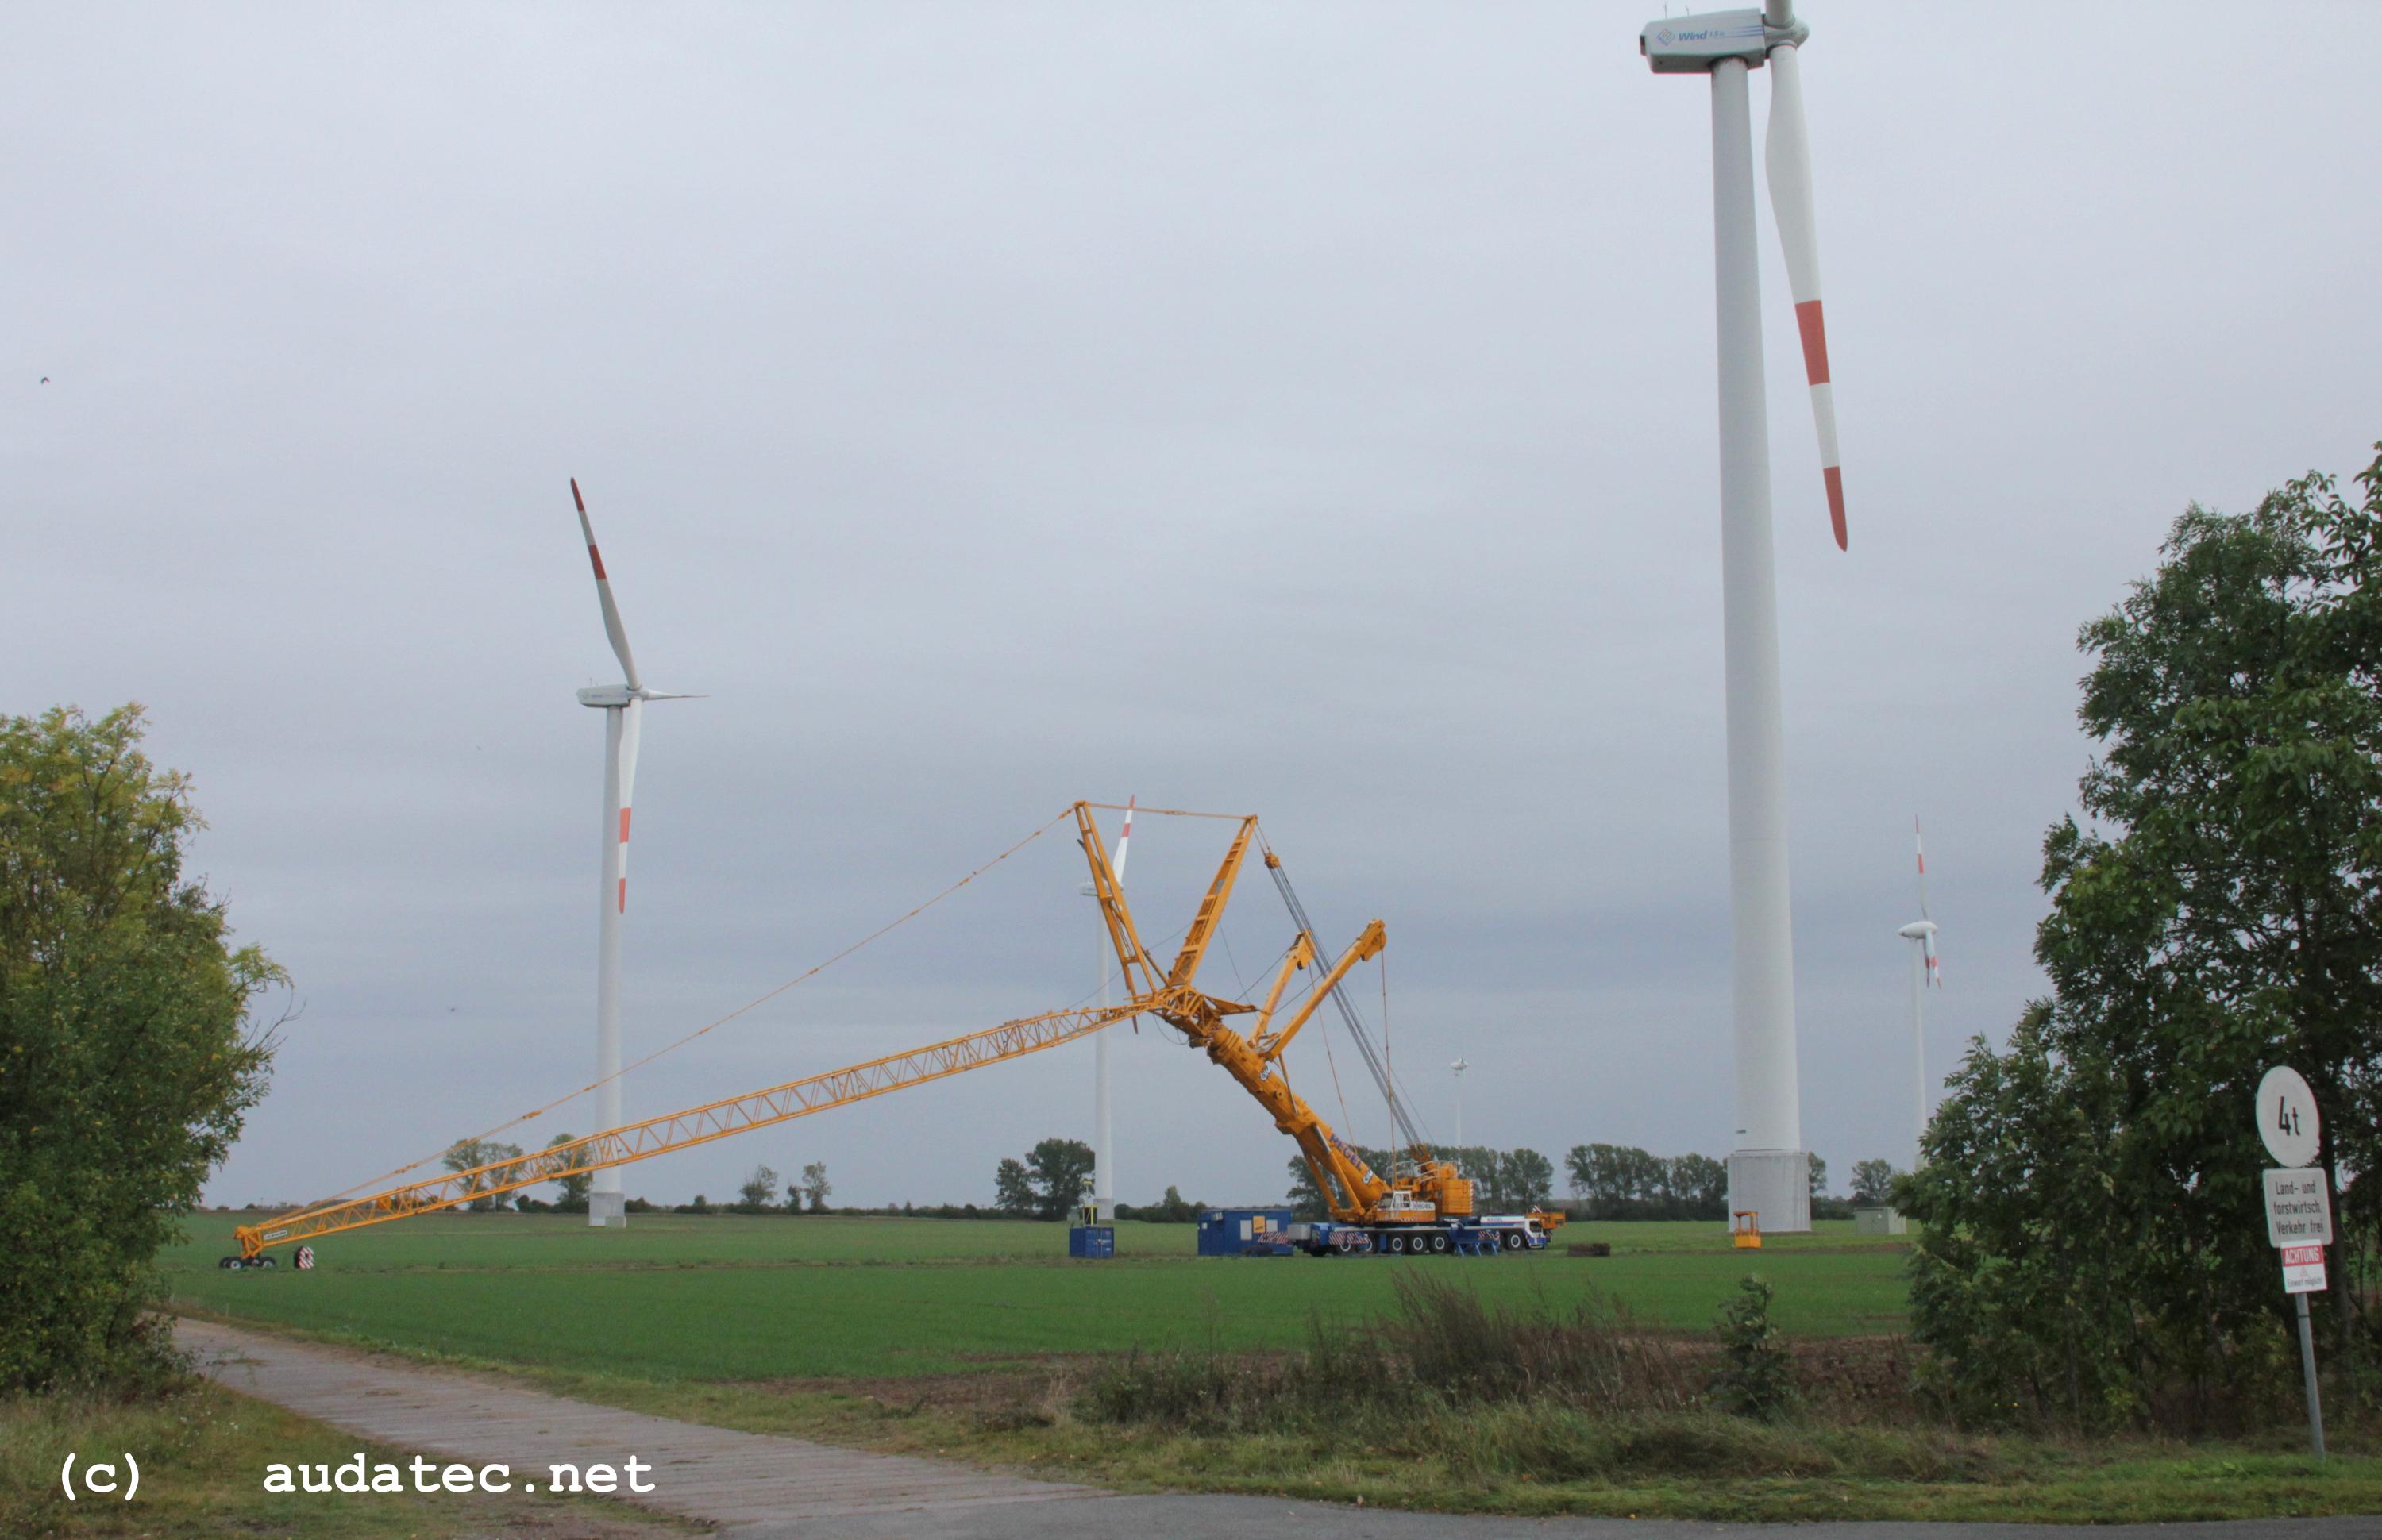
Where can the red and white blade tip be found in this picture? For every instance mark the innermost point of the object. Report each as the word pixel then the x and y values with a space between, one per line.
pixel 1810 321
pixel 577 499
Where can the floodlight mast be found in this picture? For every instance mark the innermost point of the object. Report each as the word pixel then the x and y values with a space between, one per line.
pixel 1768 1169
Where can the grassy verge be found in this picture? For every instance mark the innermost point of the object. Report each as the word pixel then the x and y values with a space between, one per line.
pixel 202 1452
pixel 1515 1457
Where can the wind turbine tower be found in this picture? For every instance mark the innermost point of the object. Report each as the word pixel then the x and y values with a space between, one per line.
pixel 623 707
pixel 1768 1171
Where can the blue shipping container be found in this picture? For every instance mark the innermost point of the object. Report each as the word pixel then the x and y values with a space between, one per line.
pixel 1092 1240
pixel 1245 1232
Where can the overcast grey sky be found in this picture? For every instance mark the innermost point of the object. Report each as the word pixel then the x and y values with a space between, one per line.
pixel 1301 411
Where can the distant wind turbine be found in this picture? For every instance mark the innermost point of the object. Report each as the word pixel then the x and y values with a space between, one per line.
pixel 1926 969
pixel 623 708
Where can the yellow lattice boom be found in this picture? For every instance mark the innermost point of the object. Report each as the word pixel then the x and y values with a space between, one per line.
pixel 699 1125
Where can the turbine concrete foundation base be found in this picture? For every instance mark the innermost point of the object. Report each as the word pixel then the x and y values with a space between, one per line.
pixel 606 1210
pixel 1775 1184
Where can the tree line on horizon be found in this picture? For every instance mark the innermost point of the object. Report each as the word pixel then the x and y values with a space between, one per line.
pixel 1608 1181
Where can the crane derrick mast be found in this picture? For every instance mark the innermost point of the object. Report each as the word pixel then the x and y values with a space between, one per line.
pixel 1428 1204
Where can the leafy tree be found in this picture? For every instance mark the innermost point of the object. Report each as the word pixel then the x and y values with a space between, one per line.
pixel 759 1189
pixel 1698 1181
pixel 574 1188
pixel 1172 1209
pixel 2092 1232
pixel 1819 1177
pixel 1012 1188
pixel 1061 1169
pixel 465 1155
pixel 1613 1173
pixel 1525 1179
pixel 128 1052
pixel 1872 1183
pixel 814 1186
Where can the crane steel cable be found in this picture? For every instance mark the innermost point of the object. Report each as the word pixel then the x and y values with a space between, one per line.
pixel 1326 959
pixel 748 1005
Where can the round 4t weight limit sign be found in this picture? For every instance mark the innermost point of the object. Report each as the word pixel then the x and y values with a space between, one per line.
pixel 2287 1120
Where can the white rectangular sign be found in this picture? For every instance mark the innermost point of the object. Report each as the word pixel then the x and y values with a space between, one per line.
pixel 2299 1207
pixel 2303 1270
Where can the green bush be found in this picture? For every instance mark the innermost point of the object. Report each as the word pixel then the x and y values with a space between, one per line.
pixel 1756 1378
pixel 126 1057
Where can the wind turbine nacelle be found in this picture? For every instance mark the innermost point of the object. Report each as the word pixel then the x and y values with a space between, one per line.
pixel 606 695
pixel 1918 930
pixel 1692 44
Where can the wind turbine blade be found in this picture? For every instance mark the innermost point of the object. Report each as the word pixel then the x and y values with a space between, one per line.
pixel 612 627
pixel 1116 867
pixel 632 729
pixel 1927 943
pixel 1788 157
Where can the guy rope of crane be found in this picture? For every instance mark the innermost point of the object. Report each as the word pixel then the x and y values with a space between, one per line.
pixel 749 1005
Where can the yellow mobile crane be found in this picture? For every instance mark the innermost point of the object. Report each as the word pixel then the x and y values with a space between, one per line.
pixel 1426 1206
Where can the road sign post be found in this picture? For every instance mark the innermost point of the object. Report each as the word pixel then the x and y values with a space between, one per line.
pixel 2298 1211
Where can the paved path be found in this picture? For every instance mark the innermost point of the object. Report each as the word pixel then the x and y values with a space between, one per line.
pixel 714 1474
pixel 763 1488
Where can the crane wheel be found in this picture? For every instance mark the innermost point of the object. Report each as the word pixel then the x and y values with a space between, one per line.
pixel 1514 1241
pixel 1398 1244
pixel 229 1261
pixel 264 1262
pixel 1439 1244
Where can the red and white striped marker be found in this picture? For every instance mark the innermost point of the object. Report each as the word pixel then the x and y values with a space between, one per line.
pixel 632 727
pixel 1116 867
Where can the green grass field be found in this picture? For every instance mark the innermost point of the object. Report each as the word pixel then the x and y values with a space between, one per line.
pixel 730 1297
pixel 965 1339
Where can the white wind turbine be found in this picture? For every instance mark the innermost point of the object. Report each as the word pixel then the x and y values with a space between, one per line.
pixel 624 705
pixel 1926 969
pixel 1103 1165
pixel 1768 1169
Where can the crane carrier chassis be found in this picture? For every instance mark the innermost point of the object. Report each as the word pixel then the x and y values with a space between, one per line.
pixel 1486 1236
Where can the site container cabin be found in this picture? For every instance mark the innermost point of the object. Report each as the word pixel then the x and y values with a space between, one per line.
pixel 1245 1232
